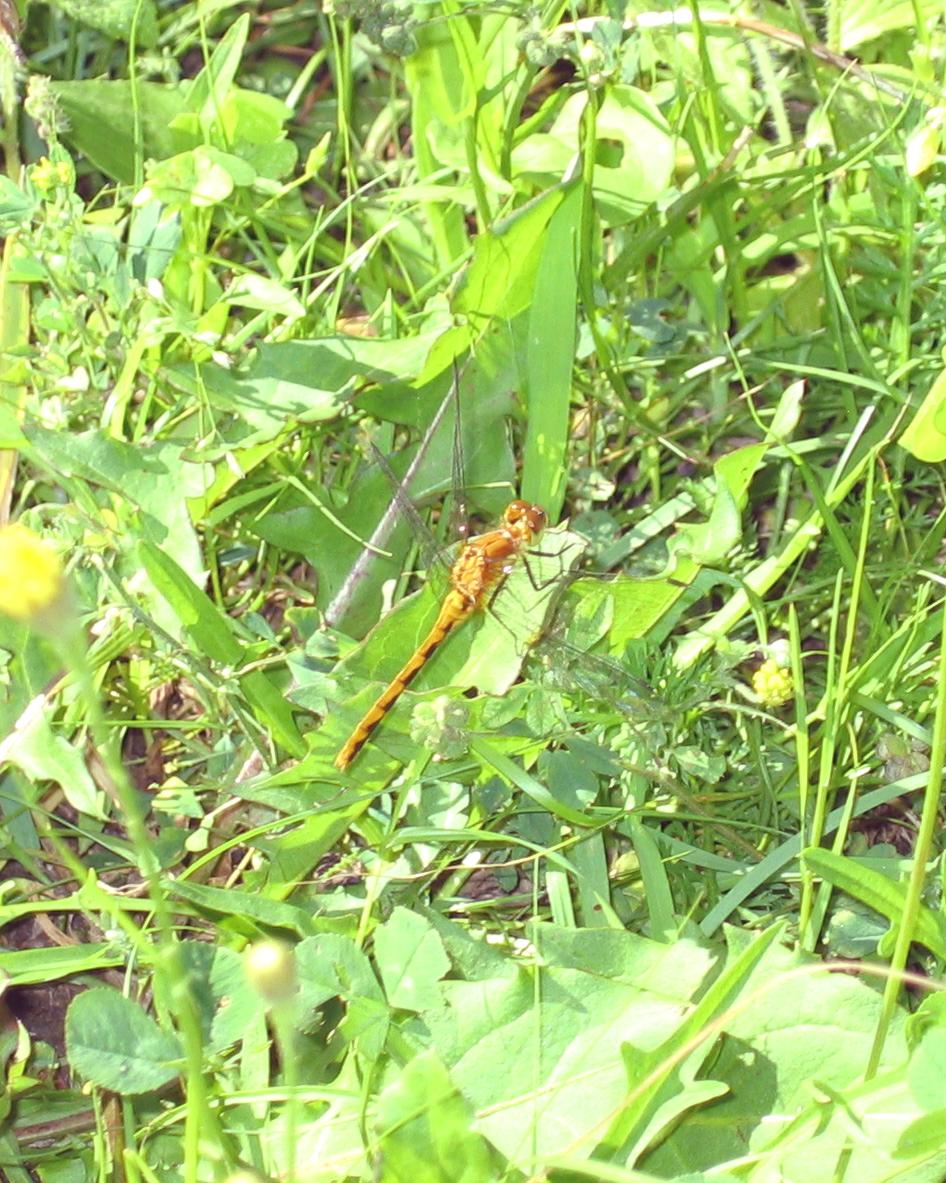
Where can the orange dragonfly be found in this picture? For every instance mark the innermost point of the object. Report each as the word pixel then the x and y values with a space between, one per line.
pixel 477 572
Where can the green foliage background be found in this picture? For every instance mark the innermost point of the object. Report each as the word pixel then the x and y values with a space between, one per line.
pixel 576 910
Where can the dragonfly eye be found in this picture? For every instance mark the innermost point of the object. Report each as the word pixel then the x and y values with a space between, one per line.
pixel 534 516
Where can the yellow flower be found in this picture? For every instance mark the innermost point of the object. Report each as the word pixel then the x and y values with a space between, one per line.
pixel 772 683
pixel 43 174
pixel 46 175
pixel 30 573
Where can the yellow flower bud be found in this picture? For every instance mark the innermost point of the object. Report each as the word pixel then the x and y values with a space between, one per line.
pixel 772 683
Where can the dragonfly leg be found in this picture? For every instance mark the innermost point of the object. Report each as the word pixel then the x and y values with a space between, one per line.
pixel 541 584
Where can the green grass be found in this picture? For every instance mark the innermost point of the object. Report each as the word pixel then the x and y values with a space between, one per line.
pixel 577 909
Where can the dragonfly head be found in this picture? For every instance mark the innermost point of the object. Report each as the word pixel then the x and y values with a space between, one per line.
pixel 527 520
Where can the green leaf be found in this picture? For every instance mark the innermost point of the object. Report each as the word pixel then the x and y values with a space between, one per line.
pixel 225 1000
pixel 880 893
pixel 117 18
pixel 267 913
pixel 99 125
pixel 500 280
pixel 259 291
pixel 158 480
pixel 634 606
pixel 925 1072
pixel 923 1138
pixel 203 621
pixel 635 152
pixel 424 1129
pixel 332 966
pixel 42 754
pixel 925 434
pixel 308 381
pixel 111 1042
pixel 31 967
pixel 207 94
pixel 16 207
pixel 867 20
pixel 709 543
pixel 538 1054
pixel 659 1082
pixel 411 960
pixel 550 357
pixel 796 1023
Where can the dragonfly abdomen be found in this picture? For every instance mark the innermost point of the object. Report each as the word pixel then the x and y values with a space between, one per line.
pixel 455 609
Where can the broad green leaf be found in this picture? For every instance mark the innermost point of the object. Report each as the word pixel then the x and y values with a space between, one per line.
pixel 709 543
pixel 923 1138
pixel 424 1129
pixel 252 117
pixel 411 960
pixel 32 663
pixel 635 606
pixel 157 479
pixel 796 1031
pixel 308 381
pixel 224 999
pixel 635 151
pixel 552 1076
pixel 925 1072
pixel 541 1060
pixel 296 852
pixel 500 280
pixel 99 125
pixel 332 966
pixel 113 1043
pixel 660 1080
pixel 203 621
pixel 329 1147
pixel 868 20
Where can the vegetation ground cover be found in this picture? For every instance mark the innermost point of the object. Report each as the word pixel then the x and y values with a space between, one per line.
pixel 642 878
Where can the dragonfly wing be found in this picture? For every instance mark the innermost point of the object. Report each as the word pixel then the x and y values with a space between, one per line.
pixel 495 643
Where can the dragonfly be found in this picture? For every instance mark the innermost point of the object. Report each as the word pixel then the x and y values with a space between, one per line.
pixel 480 568
pixel 480 573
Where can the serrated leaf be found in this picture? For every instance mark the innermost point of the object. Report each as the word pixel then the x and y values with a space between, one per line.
pixel 113 1043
